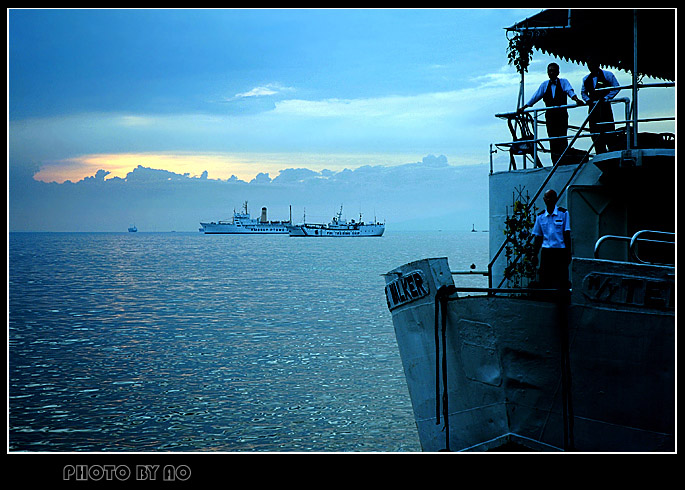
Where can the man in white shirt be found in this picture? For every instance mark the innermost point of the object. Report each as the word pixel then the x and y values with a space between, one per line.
pixel 598 78
pixel 552 232
pixel 555 92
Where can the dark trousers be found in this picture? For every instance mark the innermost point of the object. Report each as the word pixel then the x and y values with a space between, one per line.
pixel 602 114
pixel 554 268
pixel 557 125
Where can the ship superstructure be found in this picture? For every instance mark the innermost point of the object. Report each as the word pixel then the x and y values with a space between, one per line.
pixel 241 223
pixel 338 227
pixel 589 368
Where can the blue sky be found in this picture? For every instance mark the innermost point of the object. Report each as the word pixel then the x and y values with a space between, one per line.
pixel 219 93
pixel 326 88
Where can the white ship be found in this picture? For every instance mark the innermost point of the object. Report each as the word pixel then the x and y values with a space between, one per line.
pixel 338 227
pixel 243 224
pixel 586 368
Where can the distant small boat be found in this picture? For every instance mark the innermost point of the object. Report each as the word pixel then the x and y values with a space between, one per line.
pixel 473 228
pixel 132 229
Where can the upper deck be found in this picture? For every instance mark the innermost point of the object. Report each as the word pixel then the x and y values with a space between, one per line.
pixel 613 198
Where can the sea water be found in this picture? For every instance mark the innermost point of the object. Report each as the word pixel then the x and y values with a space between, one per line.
pixel 139 342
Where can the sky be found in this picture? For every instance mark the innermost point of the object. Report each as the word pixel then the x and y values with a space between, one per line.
pixel 116 116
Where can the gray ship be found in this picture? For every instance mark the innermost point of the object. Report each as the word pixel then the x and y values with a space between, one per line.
pixel 591 368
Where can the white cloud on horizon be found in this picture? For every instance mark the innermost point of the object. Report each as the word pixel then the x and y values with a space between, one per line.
pixel 214 166
pixel 400 127
pixel 423 193
pixel 328 133
pixel 261 91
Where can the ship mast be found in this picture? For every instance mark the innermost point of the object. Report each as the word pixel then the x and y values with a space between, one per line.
pixel 634 138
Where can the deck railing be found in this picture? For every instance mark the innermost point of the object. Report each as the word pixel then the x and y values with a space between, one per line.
pixel 635 240
pixel 631 123
pixel 628 123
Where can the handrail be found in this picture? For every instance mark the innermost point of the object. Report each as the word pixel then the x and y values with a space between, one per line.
pixel 542 186
pixel 639 85
pixel 605 238
pixel 633 241
pixel 536 110
pixel 627 119
pixel 627 122
pixel 543 291
pixel 503 115
pixel 635 238
pixel 480 273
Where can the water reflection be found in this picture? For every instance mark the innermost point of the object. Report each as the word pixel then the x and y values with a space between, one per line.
pixel 187 342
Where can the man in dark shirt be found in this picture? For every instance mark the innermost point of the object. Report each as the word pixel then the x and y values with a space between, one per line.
pixel 602 113
pixel 555 92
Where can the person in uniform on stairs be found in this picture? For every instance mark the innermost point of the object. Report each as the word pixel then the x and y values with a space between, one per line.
pixel 555 92
pixel 552 240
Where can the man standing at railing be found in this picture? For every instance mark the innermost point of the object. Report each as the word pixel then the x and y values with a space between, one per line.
pixel 598 78
pixel 555 92
pixel 552 232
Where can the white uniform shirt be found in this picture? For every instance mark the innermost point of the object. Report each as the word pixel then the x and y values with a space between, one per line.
pixel 611 80
pixel 551 228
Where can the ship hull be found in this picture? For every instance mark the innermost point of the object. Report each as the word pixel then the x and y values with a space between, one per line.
pixel 242 224
pixel 231 229
pixel 321 231
pixel 595 373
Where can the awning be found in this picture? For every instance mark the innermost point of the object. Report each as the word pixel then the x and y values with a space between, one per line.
pixel 608 35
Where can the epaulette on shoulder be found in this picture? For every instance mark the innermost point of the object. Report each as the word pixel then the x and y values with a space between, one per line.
pixel 563 210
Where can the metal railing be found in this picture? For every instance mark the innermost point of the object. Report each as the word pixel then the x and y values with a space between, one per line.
pixel 628 121
pixel 634 241
pixel 534 142
pixel 537 194
pixel 631 138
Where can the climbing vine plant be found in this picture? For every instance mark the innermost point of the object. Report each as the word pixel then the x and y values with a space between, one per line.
pixel 520 51
pixel 519 251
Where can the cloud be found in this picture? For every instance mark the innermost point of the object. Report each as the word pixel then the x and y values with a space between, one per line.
pixel 428 194
pixel 121 164
pixel 437 104
pixel 255 123
pixel 261 178
pixel 257 92
pixel 218 165
pixel 285 133
pixel 502 79
pixel 293 175
pixel 261 91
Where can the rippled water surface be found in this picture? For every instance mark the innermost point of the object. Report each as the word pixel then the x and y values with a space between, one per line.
pixel 192 342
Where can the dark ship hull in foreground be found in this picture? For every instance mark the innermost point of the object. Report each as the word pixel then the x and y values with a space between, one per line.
pixel 590 368
pixel 593 375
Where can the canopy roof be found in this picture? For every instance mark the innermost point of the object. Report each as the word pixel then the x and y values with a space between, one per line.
pixel 607 34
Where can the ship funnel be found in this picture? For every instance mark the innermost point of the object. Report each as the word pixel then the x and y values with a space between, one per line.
pixel 263 215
